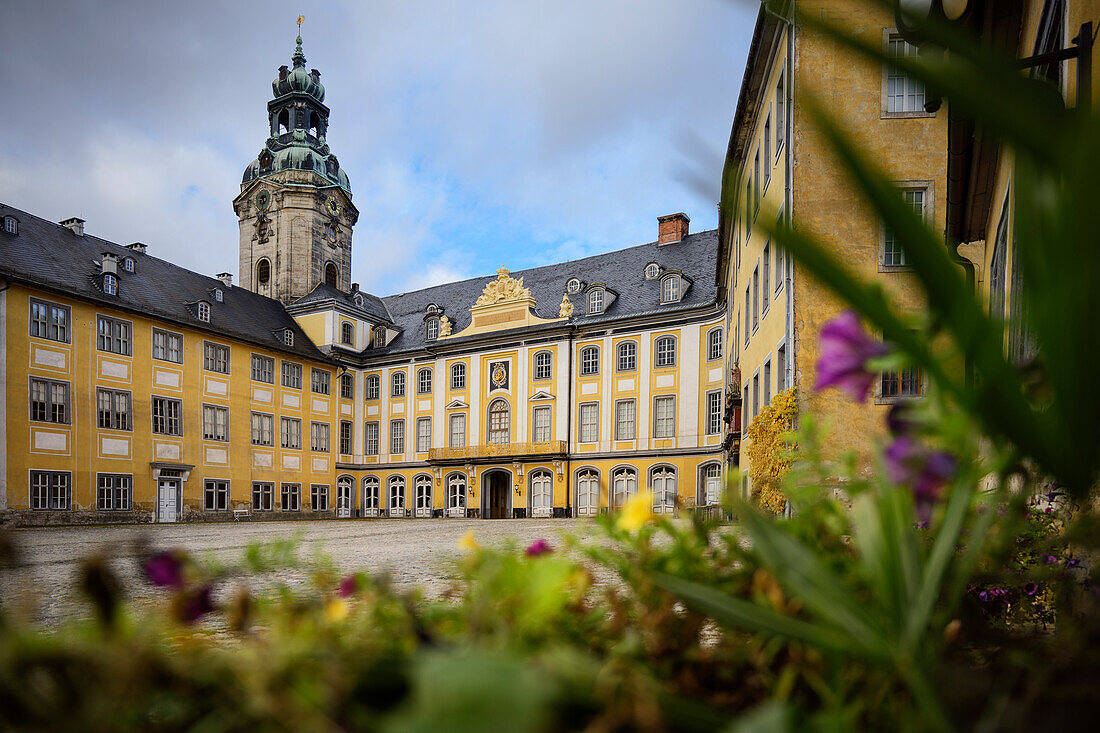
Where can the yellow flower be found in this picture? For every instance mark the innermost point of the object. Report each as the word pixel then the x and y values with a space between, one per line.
pixel 336 610
pixel 637 510
pixel 468 543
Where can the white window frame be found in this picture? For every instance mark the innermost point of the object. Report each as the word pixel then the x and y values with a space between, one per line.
pixel 542 433
pixel 663 360
pixel 715 340
pixel 626 429
pixel 456 430
pixel 544 367
pixel 423 434
pixel 458 375
pixel 664 427
pixel 588 422
pixel 371 433
pixel 672 287
pixel 631 359
pixel 590 367
pixel 927 189
pixel 890 35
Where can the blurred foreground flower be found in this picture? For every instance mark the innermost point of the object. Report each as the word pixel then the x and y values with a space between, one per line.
pixel 348 586
pixel 637 511
pixel 336 610
pixel 845 349
pixel 925 472
pixel 166 568
pixel 191 605
pixel 539 547
pixel 468 542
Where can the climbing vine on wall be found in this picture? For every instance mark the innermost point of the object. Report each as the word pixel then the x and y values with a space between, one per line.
pixel 769 450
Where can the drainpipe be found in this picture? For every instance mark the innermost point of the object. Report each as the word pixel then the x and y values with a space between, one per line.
pixel 569 430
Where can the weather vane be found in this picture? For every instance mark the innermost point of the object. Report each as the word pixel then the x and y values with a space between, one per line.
pixel 301 19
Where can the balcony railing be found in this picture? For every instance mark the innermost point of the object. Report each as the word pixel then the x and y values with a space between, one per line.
pixel 497 450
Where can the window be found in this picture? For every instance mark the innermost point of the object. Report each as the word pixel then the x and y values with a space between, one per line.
pixel 892 253
pixel 544 366
pixel 373 387
pixel 423 434
pixel 664 417
pixel 11 225
pixel 714 413
pixel 379 337
pixel 113 336
pixel 624 483
pixel 998 266
pixel 573 286
pixel 590 360
pixel 167 346
pixel 397 388
pixel 457 438
pixel 424 381
pixel 113 408
pixel 756 184
pixel 670 289
pixel 431 328
pixel 714 344
pixel 767 278
pixel 748 310
pixel 215 495
pixel 665 352
pixel 712 484
pixel 590 422
pixel 748 208
pixel 900 384
pixel 780 111
pixel 588 493
pixel 318 497
pixel 767 151
pixel 291 499
pixel 756 296
pixel 626 357
pixel 332 275
pixel 595 301
pixel 540 425
pixel 113 492
pixel 110 284
pixel 218 295
pixel 320 381
pixel 778 268
pixel 456 495
pixel 263 429
pixel 347 333
pixel 347 387
pixel 290 433
pixel 49 321
pixel 370 438
pixel 288 337
pixel 49 400
pixel 903 94
pixel 263 369
pixel 397 436
pixel 263 271
pixel 319 437
pixel 626 412
pixel 263 496
pixel 51 490
pixel 500 423
pixel 542 494
pixel 767 382
pixel 652 270
pixel 781 369
pixel 662 481
pixel 215 422
pixel 202 309
pixel 166 416
pixel 371 499
pixel 397 496
pixel 458 376
pixel 215 358
pixel 756 394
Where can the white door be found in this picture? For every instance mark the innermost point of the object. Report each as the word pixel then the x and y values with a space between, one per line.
pixel 456 496
pixel 167 504
pixel 588 494
pixel 541 502
pixel 664 491
pixel 343 499
pixel 713 485
pixel 423 496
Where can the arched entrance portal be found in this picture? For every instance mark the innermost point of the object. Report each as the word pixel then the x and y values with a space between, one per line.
pixel 496 494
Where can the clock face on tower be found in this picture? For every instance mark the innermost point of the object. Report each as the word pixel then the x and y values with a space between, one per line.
pixel 263 198
pixel 333 206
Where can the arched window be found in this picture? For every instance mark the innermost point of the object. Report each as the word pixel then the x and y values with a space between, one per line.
pixel 263 271
pixel 458 376
pixel 203 310
pixel 347 333
pixel 588 493
pixel 500 422
pixel 595 301
pixel 624 483
pixel 664 353
pixel 627 357
pixel 373 387
pixel 371 499
pixel 128 264
pixel 397 389
pixel 662 482
pixel 590 360
pixel 544 365
pixel 314 124
pixel 284 121
pixel 714 344
pixel 670 289
pixel 396 505
pixel 110 284
pixel 332 275
pixel 542 494
pixel 712 484
pixel 423 496
pixel 344 491
pixel 456 495
pixel 288 337
pixel 379 338
pixel 424 381
pixel 432 328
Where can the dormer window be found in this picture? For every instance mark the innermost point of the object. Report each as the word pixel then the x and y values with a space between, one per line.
pixel 432 329
pixel 595 301
pixel 652 270
pixel 573 286
pixel 670 289
pixel 218 295
pixel 347 334
pixel 11 225
pixel 288 337
pixel 128 264
pixel 379 338
pixel 359 300
pixel 110 284
pixel 202 309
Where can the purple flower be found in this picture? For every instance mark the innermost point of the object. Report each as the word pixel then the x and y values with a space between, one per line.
pixel 348 586
pixel 165 568
pixel 1073 562
pixel 1049 559
pixel 983 596
pixel 924 471
pixel 845 349
pixel 1031 589
pixel 900 419
pixel 539 547
pixel 195 603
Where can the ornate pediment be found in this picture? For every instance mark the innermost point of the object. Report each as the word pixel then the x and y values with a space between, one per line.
pixel 505 287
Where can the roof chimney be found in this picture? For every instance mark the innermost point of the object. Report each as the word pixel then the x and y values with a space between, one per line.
pixel 355 287
pixel 226 278
pixel 75 225
pixel 109 263
pixel 672 228
pixel 136 247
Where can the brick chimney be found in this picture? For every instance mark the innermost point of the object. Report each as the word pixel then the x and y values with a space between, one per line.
pixel 226 278
pixel 136 247
pixel 75 225
pixel 672 228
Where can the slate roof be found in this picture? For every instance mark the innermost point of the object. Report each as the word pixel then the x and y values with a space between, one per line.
pixel 372 307
pixel 622 271
pixel 52 256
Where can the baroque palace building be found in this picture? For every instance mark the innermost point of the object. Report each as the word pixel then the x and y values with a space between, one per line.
pixel 137 390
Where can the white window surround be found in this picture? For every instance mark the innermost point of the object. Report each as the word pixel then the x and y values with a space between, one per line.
pixel 672 288
pixel 889 34
pixel 928 188
pixel 202 310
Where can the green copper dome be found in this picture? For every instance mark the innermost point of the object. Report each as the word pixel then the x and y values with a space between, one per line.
pixel 297 80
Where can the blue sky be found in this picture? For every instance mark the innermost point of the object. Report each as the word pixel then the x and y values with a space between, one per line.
pixel 474 134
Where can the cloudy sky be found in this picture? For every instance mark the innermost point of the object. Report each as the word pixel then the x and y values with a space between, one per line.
pixel 474 133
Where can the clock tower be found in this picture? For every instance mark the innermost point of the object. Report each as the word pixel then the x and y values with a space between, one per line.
pixel 295 208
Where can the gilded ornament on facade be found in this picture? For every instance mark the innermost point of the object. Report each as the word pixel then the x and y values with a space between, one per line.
pixel 444 326
pixel 566 310
pixel 505 287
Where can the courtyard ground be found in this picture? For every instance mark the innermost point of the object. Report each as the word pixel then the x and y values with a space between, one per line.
pixel 414 552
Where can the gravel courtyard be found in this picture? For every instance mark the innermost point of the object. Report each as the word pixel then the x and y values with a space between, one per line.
pixel 415 552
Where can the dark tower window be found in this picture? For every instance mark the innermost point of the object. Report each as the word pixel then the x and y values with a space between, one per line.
pixel 263 272
pixel 332 275
pixel 314 124
pixel 284 121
